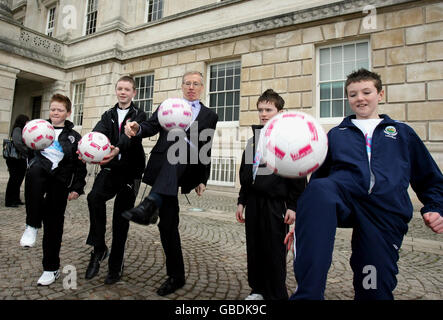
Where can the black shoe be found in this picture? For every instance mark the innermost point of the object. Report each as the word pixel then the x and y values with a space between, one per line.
pixel 145 213
pixel 94 263
pixel 113 277
pixel 170 285
pixel 19 203
pixel 11 205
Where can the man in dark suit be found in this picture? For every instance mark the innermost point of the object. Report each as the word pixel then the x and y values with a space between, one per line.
pixel 165 175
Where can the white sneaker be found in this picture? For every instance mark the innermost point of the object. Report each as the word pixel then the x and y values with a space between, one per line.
pixel 255 296
pixel 48 277
pixel 29 237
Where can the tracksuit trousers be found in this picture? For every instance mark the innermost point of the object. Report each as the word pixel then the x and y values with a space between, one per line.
pixel 322 208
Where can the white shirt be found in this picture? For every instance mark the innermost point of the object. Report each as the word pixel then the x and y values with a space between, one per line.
pixel 55 151
pixel 367 126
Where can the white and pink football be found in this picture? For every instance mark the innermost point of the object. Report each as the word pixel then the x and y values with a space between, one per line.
pixel 293 144
pixel 93 147
pixel 38 134
pixel 174 113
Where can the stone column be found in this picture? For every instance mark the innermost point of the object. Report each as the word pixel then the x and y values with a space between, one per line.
pixel 8 77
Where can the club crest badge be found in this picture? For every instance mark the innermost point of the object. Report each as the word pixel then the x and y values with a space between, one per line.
pixel 391 132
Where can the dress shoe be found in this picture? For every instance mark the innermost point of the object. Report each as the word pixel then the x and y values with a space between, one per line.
pixel 19 203
pixel 11 205
pixel 94 263
pixel 145 213
pixel 170 285
pixel 113 277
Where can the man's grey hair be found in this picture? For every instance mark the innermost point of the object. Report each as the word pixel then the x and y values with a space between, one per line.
pixel 190 73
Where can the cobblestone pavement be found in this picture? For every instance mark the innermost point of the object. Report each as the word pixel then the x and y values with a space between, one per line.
pixel 214 253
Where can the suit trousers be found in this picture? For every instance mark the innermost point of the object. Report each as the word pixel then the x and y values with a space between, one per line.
pixel 106 185
pixel 170 237
pixel 266 252
pixel 47 198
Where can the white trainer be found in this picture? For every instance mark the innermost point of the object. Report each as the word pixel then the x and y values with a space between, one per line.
pixel 48 277
pixel 255 296
pixel 29 237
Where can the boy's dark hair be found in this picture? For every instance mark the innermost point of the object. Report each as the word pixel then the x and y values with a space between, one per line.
pixel 62 99
pixel 127 79
pixel 363 75
pixel 272 97
pixel 20 122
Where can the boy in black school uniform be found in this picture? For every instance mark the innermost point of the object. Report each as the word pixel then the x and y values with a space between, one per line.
pixel 271 202
pixel 119 177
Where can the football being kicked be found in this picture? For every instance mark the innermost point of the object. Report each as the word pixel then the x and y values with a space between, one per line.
pixel 93 147
pixel 38 134
pixel 293 144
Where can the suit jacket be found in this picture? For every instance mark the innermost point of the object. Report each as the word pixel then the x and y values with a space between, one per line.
pixel 189 175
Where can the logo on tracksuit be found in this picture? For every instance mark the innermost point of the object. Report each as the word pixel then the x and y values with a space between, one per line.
pixel 390 132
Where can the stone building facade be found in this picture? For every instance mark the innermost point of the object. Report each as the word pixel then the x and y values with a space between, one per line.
pixel 303 50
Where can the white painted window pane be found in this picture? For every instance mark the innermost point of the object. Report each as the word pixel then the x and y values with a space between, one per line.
pixel 325 72
pixel 325 56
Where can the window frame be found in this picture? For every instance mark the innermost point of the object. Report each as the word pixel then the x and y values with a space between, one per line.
pixel 152 97
pixel 148 13
pixel 75 86
pixel 222 124
pixel 48 16
pixel 87 15
pixel 334 120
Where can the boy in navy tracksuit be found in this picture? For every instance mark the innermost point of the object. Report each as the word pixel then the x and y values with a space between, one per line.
pixel 363 184
pixel 270 201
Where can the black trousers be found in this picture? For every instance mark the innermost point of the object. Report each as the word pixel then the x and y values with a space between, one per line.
pixel 108 184
pixel 266 252
pixel 170 237
pixel 46 199
pixel 17 171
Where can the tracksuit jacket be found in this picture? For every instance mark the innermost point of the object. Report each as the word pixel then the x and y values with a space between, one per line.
pixel 398 157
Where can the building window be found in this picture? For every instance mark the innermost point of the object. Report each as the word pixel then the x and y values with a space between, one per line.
pixel 224 90
pixel 77 107
pixel 91 17
pixel 222 171
pixel 145 91
pixel 51 22
pixel 154 10
pixel 335 63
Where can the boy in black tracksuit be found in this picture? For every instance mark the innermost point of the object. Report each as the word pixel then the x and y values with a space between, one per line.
pixel 271 202
pixel 120 176
pixel 54 176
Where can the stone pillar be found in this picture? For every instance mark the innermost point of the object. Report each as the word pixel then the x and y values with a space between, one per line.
pixel 8 77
